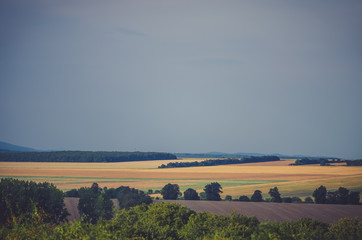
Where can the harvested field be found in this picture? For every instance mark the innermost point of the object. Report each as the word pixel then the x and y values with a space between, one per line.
pixel 236 180
pixel 275 211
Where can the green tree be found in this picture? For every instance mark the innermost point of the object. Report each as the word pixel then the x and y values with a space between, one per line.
pixel 213 191
pixel 130 197
pixel 275 195
pixel 19 197
pixel 191 194
pixel 308 200
pixel 170 191
pixel 93 204
pixel 320 195
pixel 244 198
pixel 228 198
pixel 257 197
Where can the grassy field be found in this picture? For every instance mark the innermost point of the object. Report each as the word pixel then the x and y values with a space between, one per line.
pixel 236 180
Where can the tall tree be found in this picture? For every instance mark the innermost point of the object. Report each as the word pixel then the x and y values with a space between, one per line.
pixel 213 191
pixel 191 194
pixel 274 193
pixel 94 204
pixel 170 191
pixel 257 197
pixel 320 195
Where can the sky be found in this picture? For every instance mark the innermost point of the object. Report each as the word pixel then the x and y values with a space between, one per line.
pixel 183 76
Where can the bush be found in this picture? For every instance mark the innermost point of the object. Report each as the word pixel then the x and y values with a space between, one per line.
pixel 191 194
pixel 244 198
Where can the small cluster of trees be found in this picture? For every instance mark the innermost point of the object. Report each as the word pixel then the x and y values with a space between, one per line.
pixel 216 162
pixel 172 191
pixel 341 196
pixel 83 156
pixel 96 203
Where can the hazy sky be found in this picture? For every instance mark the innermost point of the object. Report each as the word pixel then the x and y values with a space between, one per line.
pixel 183 76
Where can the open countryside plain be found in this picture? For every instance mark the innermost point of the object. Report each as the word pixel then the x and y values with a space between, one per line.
pixel 236 180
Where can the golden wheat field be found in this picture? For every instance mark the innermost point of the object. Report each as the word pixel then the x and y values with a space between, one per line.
pixel 236 180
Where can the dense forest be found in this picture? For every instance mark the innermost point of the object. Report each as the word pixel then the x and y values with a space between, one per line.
pixel 83 156
pixel 215 162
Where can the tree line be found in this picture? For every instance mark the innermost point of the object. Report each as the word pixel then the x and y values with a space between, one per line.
pixel 212 193
pixel 83 156
pixel 216 162
pixel 325 162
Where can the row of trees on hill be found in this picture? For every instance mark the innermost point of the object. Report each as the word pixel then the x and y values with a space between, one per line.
pixel 215 162
pixel 354 162
pixel 174 221
pixel 325 161
pixel 212 192
pixel 172 191
pixel 83 156
pixel 341 196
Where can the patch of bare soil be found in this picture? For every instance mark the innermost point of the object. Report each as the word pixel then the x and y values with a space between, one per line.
pixel 328 213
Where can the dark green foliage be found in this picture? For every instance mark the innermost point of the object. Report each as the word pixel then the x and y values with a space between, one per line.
pixel 320 195
pixel 308 200
pixel 72 193
pixel 354 162
pixel 257 197
pixel 191 194
pixel 345 229
pixel 343 196
pixel 94 204
pixel 244 198
pixel 275 195
pixel 130 197
pixel 150 191
pixel 306 161
pixel 82 156
pixel 228 198
pixel 210 226
pixel 304 228
pixel 170 191
pixel 216 162
pixel 296 200
pixel 286 199
pixel 18 197
pixel 173 221
pixel 213 191
pixel 354 198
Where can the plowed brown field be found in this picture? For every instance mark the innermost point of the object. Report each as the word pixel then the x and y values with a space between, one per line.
pixel 263 211
pixel 276 211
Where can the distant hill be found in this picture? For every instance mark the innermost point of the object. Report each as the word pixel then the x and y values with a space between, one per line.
pixel 8 147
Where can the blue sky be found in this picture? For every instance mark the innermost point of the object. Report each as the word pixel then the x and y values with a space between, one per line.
pixel 183 76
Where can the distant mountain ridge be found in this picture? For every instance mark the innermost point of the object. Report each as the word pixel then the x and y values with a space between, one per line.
pixel 8 147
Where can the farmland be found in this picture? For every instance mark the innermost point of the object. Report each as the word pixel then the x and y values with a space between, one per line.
pixel 236 180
